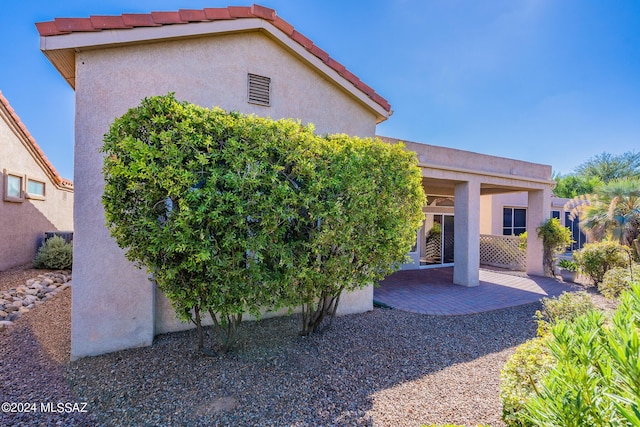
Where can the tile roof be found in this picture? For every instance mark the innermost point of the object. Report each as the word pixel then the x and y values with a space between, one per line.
pixel 62 26
pixel 52 172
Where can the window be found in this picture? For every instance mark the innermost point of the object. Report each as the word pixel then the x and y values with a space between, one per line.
pixel 13 187
pixel 555 214
pixel 259 89
pixel 514 221
pixel 35 189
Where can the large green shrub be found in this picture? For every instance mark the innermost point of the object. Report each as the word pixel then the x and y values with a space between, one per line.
pixel 596 377
pixel 618 279
pixel 234 214
pixel 555 239
pixel 361 226
pixel 55 253
pixel 595 259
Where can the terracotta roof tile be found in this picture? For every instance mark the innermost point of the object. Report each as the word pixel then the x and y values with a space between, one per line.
pixel 263 12
pixel 240 12
pixel 61 26
pixel 139 20
pixel 192 15
pixel 319 53
pixel 48 29
pixel 57 179
pixel 217 13
pixel 108 22
pixel 283 26
pixel 166 18
pixel 75 24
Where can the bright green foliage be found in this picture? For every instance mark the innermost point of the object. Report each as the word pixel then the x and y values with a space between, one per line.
pixel 55 254
pixel 362 225
pixel 555 239
pixel 609 167
pixel 619 279
pixel 233 214
pixel 596 379
pixel 595 259
pixel 199 197
pixel 573 185
pixel 519 378
pixel 568 265
pixel 522 374
pixel 568 306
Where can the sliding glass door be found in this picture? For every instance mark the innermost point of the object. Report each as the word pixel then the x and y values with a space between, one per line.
pixel 438 245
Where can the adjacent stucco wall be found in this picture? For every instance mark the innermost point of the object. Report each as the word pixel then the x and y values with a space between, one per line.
pixel 23 224
pixel 113 303
pixel 491 209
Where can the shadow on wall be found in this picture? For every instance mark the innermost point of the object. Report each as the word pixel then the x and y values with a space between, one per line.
pixel 22 228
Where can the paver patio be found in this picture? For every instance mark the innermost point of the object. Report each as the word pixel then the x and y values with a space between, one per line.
pixel 431 291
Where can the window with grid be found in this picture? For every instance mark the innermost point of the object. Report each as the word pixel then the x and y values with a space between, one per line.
pixel 514 221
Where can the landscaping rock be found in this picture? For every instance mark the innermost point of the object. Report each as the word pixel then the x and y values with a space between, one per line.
pixel 24 298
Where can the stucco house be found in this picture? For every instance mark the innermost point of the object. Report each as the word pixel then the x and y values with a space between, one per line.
pixel 250 60
pixel 34 199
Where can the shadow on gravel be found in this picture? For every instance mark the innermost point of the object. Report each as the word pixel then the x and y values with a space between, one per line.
pixel 277 377
pixel 34 380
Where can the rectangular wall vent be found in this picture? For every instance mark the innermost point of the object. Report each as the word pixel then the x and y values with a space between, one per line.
pixel 259 89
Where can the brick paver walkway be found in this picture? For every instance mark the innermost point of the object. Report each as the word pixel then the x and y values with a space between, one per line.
pixel 431 291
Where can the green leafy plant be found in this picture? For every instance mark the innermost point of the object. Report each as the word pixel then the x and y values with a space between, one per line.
pixel 595 259
pixel 519 377
pixel 361 226
pixel 596 378
pixel 555 239
pixel 568 265
pixel 234 214
pixel 567 307
pixel 55 253
pixel 618 279
pixel 522 243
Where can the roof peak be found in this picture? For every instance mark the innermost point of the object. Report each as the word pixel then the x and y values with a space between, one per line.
pixel 37 151
pixel 95 23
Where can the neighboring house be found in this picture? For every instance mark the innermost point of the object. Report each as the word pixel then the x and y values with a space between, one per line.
pixel 34 199
pixel 250 60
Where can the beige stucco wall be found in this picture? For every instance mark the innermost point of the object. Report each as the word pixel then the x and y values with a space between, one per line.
pixel 114 304
pixel 491 209
pixel 23 224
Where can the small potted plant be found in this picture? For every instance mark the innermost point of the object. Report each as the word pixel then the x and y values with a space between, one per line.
pixel 568 270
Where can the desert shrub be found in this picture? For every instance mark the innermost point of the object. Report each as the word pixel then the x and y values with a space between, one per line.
pixel 55 253
pixel 568 306
pixel 519 378
pixel 618 279
pixel 596 378
pixel 595 259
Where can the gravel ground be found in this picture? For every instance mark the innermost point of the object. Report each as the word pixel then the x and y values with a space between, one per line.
pixel 382 368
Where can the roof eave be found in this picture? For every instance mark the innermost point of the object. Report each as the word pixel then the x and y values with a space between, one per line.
pixel 61 51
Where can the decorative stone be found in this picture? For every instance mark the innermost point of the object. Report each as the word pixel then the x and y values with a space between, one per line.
pixel 5 323
pixel 24 298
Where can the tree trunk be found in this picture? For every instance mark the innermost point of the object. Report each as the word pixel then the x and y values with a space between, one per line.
pixel 312 318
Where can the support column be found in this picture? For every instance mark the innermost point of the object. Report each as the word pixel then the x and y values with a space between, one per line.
pixel 539 205
pixel 467 234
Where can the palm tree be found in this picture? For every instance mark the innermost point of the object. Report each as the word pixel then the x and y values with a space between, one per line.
pixel 612 211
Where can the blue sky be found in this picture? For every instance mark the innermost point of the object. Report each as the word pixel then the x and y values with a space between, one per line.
pixel 548 81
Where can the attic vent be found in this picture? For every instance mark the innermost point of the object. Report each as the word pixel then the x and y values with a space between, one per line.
pixel 259 89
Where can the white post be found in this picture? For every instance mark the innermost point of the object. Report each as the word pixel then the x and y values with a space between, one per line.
pixel 539 205
pixel 467 234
